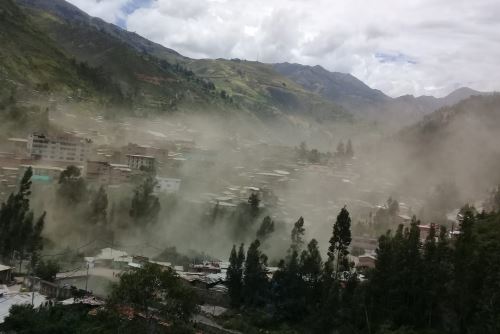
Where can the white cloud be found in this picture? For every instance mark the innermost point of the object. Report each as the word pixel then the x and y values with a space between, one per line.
pixel 109 10
pixel 449 42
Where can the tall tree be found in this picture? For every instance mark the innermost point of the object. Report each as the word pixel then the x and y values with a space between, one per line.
pixel 254 202
pixel 145 205
pixel 340 241
pixel 72 186
pixel 265 229
pixel 255 282
pixel 19 236
pixel 235 275
pixel 298 232
pixel 99 207
pixel 156 293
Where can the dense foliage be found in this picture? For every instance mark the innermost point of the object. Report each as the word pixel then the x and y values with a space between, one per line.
pixel 438 283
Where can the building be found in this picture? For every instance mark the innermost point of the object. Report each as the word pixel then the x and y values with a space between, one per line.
pixel 5 274
pixel 18 145
pixel 66 148
pixel 44 174
pixel 142 162
pixel 106 173
pixel 366 261
pixel 159 154
pixel 167 185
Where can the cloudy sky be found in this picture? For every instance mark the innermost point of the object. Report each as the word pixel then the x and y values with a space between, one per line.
pixel 398 46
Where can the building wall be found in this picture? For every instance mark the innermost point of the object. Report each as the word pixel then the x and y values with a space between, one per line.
pixel 62 148
pixel 140 161
pixel 167 185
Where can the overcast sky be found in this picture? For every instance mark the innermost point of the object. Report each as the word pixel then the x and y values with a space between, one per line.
pixel 398 46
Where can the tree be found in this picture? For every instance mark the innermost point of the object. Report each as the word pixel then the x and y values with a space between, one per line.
pixel 145 206
pixel 265 229
pixel 340 241
pixel 314 156
pixel 99 207
pixel 289 290
pixel 155 292
pixel 19 236
pixel 235 275
pixel 255 282
pixel 47 270
pixel 72 187
pixel 465 261
pixel 302 151
pixel 254 202
pixel 340 150
pixel 298 232
pixel 349 151
pixel 311 264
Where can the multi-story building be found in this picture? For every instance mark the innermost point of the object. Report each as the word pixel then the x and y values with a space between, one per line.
pixel 103 172
pixel 66 148
pixel 142 162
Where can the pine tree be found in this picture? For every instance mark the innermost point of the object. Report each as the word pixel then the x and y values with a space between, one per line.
pixel 340 241
pixel 254 203
pixel 255 282
pixel 235 275
pixel 465 259
pixel 311 267
pixel 289 290
pixel 18 236
pixel 265 229
pixel 145 205
pixel 99 207
pixel 298 232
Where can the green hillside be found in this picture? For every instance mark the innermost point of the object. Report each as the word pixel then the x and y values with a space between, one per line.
pixel 28 58
pixel 155 78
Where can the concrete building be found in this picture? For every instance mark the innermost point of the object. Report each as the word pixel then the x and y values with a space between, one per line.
pixel 66 148
pixel 167 185
pixel 143 162
pixel 106 173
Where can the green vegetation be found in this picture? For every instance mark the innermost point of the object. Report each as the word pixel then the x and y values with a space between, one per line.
pixel 149 300
pixel 20 233
pixel 440 285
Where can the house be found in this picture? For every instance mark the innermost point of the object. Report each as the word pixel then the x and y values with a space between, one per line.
pixel 5 274
pixel 366 261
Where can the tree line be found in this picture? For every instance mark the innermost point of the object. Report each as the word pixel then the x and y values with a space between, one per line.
pixel 443 283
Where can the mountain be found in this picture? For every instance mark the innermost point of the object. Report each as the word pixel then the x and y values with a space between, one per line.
pixel 357 97
pixel 342 88
pixel 29 59
pixel 160 79
pixel 153 78
pixel 458 144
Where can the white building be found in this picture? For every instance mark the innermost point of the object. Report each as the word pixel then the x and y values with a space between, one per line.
pixel 167 185
pixel 65 148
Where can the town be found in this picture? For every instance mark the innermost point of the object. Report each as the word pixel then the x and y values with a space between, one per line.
pixel 255 174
